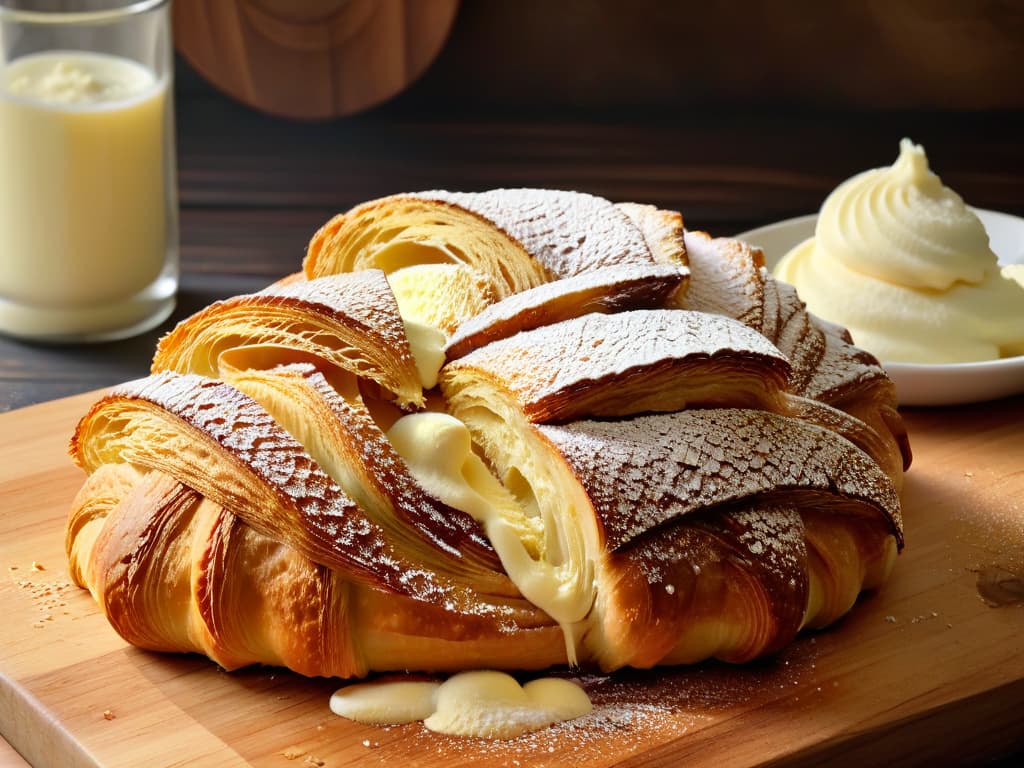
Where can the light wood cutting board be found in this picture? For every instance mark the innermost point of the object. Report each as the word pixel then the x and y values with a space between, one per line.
pixel 924 671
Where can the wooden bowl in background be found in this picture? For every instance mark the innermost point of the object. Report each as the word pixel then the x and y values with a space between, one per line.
pixel 312 59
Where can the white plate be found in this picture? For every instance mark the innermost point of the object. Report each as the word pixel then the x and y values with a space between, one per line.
pixel 919 384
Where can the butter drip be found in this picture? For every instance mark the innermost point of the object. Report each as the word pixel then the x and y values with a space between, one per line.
pixel 481 704
pixel 426 343
pixel 900 260
pixel 438 450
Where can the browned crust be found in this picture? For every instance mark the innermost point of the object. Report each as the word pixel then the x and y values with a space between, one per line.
pixel 725 279
pixel 174 572
pixel 888 453
pixel 255 614
pixel 130 553
pixel 742 571
pixel 232 452
pixel 793 331
pixel 826 366
pixel 274 484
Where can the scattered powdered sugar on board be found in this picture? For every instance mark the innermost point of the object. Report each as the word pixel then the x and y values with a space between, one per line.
pixel 991 532
pixel 620 724
pixel 49 595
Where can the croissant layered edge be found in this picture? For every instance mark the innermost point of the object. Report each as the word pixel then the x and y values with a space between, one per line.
pixel 403 580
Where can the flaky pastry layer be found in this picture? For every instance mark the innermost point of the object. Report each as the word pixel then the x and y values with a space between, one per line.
pixel 640 450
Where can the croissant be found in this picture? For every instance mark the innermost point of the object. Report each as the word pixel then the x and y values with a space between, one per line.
pixel 510 430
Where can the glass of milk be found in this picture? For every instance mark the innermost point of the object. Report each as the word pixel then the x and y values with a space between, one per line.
pixel 88 194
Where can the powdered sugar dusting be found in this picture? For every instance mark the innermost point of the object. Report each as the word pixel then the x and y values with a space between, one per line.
pixel 625 720
pixel 547 365
pixel 663 230
pixel 774 536
pixel 725 279
pixel 843 367
pixel 770 321
pixel 567 232
pixel 796 336
pixel 311 512
pixel 241 426
pixel 611 289
pixel 363 297
pixel 692 556
pixel 646 475
pixel 642 472
pixel 325 316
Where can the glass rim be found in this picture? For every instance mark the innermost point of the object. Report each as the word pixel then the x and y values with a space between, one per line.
pixel 78 17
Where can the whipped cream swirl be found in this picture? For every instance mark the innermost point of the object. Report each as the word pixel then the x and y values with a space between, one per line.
pixel 900 260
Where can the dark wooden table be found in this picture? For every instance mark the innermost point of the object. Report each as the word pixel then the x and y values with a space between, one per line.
pixel 254 188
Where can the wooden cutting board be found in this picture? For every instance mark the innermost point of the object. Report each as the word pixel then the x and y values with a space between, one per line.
pixel 925 670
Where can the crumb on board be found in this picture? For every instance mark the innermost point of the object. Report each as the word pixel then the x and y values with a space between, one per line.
pixel 37 566
pixel 108 714
pixel 293 753
pixel 314 761
pixel 891 619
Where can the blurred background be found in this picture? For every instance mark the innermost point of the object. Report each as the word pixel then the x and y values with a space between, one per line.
pixel 710 108
pixel 737 114
pixel 654 55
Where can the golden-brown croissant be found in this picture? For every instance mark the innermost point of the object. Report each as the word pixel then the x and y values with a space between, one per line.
pixel 508 429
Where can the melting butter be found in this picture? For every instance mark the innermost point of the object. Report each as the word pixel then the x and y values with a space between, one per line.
pixel 438 450
pixel 492 705
pixel 386 703
pixel 431 298
pixel 481 704
pixel 427 346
